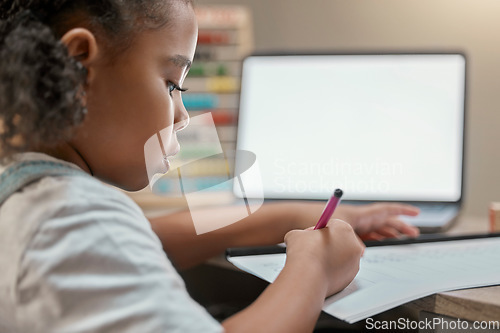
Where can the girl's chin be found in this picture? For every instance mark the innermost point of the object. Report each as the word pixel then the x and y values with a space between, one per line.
pixel 135 186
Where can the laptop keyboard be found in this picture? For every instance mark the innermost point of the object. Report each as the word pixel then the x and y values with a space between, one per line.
pixel 431 208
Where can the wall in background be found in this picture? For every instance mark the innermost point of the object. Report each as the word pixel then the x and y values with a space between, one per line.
pixel 471 27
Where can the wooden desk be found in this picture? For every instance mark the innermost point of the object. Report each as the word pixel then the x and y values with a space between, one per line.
pixel 470 304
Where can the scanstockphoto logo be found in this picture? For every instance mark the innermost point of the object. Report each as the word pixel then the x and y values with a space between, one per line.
pixel 200 170
pixel 431 323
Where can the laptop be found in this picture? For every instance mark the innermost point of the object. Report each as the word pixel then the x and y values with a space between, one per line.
pixel 382 127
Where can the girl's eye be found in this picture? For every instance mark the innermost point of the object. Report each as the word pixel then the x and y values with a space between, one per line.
pixel 172 86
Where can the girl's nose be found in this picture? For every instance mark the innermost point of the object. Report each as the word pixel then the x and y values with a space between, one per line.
pixel 181 119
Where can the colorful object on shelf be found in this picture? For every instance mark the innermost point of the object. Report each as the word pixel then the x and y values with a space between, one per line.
pixel 222 70
pixel 204 55
pixel 208 69
pixel 223 117
pixel 200 101
pixel 223 84
pixel 213 37
pixel 197 70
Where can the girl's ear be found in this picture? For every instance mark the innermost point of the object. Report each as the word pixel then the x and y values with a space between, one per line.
pixel 82 46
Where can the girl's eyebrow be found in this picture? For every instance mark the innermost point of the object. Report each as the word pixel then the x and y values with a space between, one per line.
pixel 180 61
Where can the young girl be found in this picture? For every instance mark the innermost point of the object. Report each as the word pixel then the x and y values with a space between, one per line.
pixel 83 85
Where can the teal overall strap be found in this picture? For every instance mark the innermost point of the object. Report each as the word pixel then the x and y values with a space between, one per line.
pixel 21 174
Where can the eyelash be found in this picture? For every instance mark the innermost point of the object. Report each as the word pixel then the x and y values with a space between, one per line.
pixel 172 86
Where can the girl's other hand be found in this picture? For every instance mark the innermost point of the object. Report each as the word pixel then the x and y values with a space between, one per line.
pixel 371 222
pixel 380 220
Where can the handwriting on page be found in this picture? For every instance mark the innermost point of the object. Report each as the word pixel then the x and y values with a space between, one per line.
pixel 429 261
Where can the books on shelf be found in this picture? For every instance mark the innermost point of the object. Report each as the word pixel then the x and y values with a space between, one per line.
pixel 210 101
pixel 215 68
pixel 215 84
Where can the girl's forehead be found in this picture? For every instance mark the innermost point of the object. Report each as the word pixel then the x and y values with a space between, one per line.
pixel 176 40
pixel 169 47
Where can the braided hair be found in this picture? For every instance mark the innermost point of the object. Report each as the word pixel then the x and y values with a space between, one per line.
pixel 41 86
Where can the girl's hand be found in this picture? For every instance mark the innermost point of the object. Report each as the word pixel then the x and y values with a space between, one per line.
pixel 379 220
pixel 334 252
pixel 372 221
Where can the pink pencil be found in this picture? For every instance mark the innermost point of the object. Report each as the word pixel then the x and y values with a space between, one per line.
pixel 329 209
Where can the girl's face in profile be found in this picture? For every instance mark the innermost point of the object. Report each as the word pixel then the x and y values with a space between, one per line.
pixel 135 97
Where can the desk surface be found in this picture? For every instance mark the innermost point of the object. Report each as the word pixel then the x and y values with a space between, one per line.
pixel 471 304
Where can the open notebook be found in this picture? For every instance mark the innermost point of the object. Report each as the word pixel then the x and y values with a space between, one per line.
pixel 393 275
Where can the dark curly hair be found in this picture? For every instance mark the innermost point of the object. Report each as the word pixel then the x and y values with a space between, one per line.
pixel 41 86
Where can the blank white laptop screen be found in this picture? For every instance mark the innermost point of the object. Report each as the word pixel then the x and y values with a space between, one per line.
pixel 381 127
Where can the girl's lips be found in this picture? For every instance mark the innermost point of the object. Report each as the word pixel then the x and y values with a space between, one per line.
pixel 166 162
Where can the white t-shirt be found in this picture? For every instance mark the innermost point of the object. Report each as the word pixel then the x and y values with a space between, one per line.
pixel 79 256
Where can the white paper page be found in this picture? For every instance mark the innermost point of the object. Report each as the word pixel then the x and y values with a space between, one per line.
pixel 393 275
